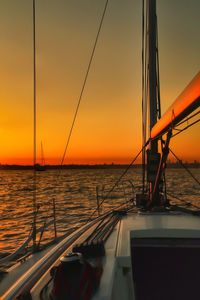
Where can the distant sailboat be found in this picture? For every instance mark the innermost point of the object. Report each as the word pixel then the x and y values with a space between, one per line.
pixel 41 166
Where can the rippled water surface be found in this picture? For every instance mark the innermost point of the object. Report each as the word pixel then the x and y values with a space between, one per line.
pixel 75 197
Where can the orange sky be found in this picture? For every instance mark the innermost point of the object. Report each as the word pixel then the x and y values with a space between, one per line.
pixel 108 127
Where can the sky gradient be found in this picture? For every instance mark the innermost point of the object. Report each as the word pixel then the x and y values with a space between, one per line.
pixel 108 127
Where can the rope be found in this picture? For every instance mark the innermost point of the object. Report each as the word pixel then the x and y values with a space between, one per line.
pixel 117 182
pixel 189 172
pixel 95 242
pixel 99 229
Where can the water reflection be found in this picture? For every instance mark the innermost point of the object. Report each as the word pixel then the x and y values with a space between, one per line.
pixel 75 196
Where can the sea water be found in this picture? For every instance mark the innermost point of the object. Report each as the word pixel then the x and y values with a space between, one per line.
pixel 75 195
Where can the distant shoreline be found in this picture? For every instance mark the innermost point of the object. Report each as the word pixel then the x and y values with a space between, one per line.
pixel 97 166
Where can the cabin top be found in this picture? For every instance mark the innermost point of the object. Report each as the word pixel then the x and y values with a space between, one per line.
pixel 156 225
pixel 135 238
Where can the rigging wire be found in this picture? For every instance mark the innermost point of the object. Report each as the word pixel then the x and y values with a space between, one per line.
pixel 117 182
pixel 195 122
pixel 180 130
pixel 186 120
pixel 158 74
pixel 78 105
pixel 185 202
pixel 123 174
pixel 34 129
pixel 117 208
pixel 84 82
pixel 181 163
pixel 144 82
pixel 144 87
pixel 143 98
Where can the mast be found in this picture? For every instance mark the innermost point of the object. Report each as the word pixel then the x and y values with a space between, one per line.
pixel 153 157
pixel 186 103
pixel 42 155
pixel 152 68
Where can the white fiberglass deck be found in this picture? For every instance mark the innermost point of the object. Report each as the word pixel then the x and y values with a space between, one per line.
pixel 117 282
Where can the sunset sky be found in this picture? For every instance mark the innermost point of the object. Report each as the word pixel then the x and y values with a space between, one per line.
pixel 108 127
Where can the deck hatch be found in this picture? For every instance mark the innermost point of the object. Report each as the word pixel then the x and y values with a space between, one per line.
pixel 165 268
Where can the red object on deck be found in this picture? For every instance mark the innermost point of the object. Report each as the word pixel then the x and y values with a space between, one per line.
pixel 75 281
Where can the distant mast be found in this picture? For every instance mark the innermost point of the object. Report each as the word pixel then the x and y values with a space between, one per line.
pixel 41 167
pixel 42 155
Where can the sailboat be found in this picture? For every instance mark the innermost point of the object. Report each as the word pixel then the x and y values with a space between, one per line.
pixel 149 249
pixel 41 166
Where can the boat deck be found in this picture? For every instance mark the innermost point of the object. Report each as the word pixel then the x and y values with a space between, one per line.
pixel 134 235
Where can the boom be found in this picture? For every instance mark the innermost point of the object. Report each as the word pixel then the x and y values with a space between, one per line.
pixel 187 102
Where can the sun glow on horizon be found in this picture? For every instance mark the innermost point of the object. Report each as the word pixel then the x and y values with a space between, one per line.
pixel 108 126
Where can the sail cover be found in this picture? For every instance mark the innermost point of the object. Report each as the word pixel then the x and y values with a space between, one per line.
pixel 188 101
